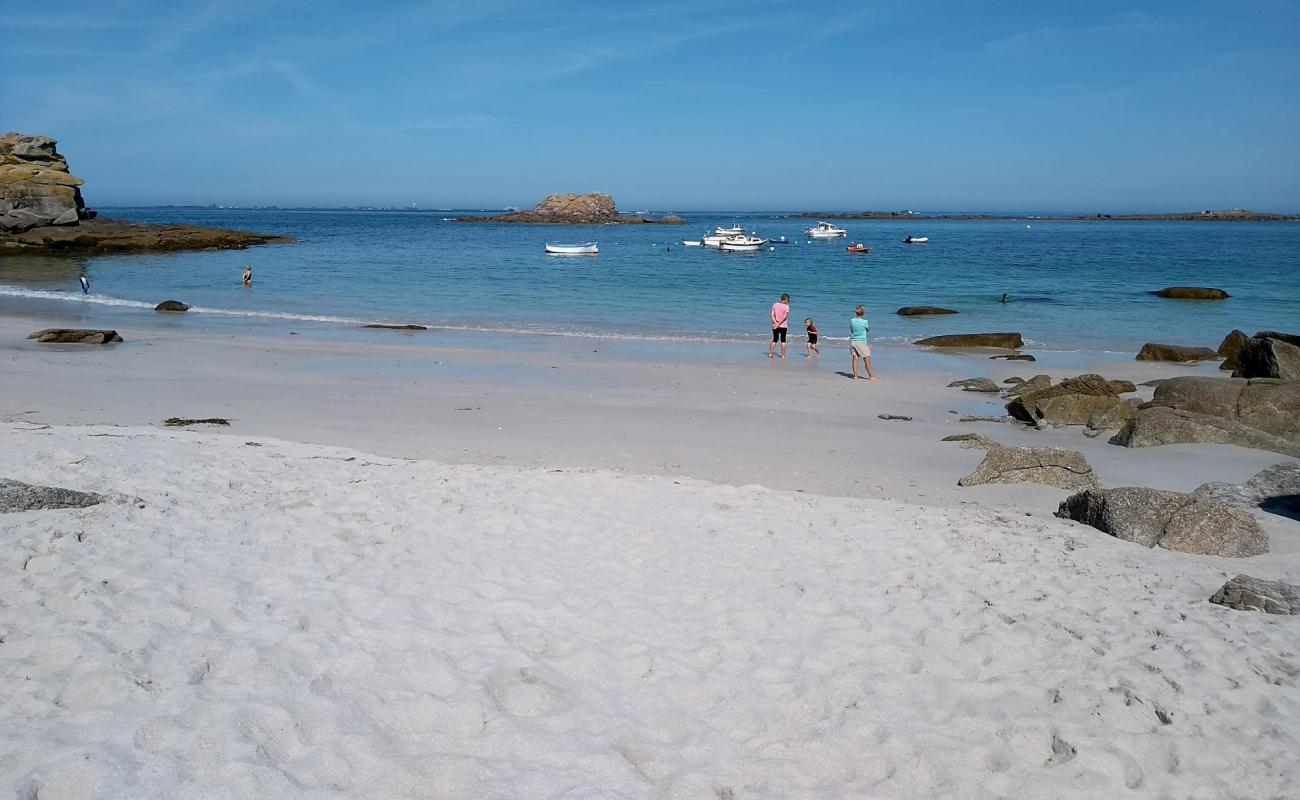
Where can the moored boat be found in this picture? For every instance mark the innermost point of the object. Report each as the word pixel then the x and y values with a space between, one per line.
pixel 825 230
pixel 916 240
pixel 858 247
pixel 582 249
pixel 742 244
pixel 690 243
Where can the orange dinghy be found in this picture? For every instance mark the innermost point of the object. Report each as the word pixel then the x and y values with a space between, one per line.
pixel 858 248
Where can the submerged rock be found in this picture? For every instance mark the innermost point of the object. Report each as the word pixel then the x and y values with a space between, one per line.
pixel 75 336
pixel 1015 357
pixel 1191 293
pixel 1006 341
pixel 1052 466
pixel 19 496
pixel 1172 520
pixel 398 327
pixel 1245 593
pixel 923 311
pixel 171 305
pixel 1154 351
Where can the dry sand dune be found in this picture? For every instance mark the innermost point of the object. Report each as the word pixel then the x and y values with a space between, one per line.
pixel 290 620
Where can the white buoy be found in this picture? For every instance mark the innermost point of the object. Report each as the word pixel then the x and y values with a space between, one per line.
pixel 771 249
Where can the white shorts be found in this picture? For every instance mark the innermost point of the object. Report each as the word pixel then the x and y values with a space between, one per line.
pixel 861 348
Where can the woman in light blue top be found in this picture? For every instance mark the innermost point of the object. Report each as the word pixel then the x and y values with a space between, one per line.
pixel 858 327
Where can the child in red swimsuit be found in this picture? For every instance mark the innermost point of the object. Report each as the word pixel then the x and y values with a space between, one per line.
pixel 812 337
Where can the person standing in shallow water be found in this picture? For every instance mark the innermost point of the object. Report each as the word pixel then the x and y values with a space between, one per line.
pixel 248 275
pixel 858 327
pixel 780 325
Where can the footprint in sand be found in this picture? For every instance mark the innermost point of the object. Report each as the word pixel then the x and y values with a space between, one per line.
pixel 525 693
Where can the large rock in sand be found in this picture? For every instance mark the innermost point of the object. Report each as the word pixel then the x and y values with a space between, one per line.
pixel 1052 466
pixel 974 385
pixel 1191 293
pixel 1262 414
pixel 171 305
pixel 1230 347
pixel 1245 593
pixel 1275 489
pixel 75 336
pixel 1085 400
pixel 1267 357
pixel 1172 520
pixel 19 496
pixel 1006 341
pixel 1153 351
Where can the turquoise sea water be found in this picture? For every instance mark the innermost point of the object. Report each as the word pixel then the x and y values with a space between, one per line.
pixel 1074 285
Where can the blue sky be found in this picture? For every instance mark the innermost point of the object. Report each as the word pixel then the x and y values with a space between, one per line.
pixel 707 104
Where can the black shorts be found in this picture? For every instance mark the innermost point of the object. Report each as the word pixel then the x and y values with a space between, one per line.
pixel 812 338
pixel 778 335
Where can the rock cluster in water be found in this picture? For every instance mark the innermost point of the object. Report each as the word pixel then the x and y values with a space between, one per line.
pixel 36 188
pixel 577 209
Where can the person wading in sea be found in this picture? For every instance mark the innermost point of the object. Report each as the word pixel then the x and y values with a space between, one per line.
pixel 780 325
pixel 248 275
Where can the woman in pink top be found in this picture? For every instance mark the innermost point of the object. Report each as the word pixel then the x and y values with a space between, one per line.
pixel 780 325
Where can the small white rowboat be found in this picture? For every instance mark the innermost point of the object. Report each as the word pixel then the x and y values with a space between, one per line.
pixel 916 240
pixel 583 249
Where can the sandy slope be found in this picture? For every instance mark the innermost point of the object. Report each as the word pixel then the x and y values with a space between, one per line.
pixel 290 620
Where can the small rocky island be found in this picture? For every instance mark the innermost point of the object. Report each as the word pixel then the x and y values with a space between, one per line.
pixel 578 209
pixel 41 209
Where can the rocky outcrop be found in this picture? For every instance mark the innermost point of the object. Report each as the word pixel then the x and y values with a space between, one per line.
pixel 1006 341
pixel 1152 351
pixel 1052 466
pixel 19 496
pixel 1034 384
pixel 1085 400
pixel 1230 347
pixel 974 385
pixel 1262 414
pixel 1245 593
pixel 1275 490
pixel 1172 520
pixel 103 235
pixel 576 209
pixel 75 336
pixel 923 311
pixel 36 188
pixel 1191 293
pixel 1268 357
pixel 171 305
pixel 41 209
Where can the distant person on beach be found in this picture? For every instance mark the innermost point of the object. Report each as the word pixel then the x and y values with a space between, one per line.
pixel 85 284
pixel 780 325
pixel 812 337
pixel 858 327
pixel 248 275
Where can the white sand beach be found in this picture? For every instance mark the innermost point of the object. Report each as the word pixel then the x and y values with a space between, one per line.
pixel 434 570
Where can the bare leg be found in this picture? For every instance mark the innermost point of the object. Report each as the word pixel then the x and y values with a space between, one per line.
pixel 771 349
pixel 871 376
pixel 855 364
pixel 782 348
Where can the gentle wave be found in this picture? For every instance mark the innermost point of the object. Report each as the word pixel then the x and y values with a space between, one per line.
pixel 463 327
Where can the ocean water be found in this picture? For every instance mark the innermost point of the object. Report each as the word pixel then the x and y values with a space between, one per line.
pixel 1073 285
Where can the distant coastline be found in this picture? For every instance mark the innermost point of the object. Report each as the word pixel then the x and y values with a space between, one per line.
pixel 1234 215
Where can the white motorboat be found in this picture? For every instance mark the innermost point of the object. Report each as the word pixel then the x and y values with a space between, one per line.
pixel 583 249
pixel 689 243
pixel 734 230
pixel 825 230
pixel 742 244
pixel 916 240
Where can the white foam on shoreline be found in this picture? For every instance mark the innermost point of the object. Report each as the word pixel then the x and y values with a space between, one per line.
pixel 292 621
